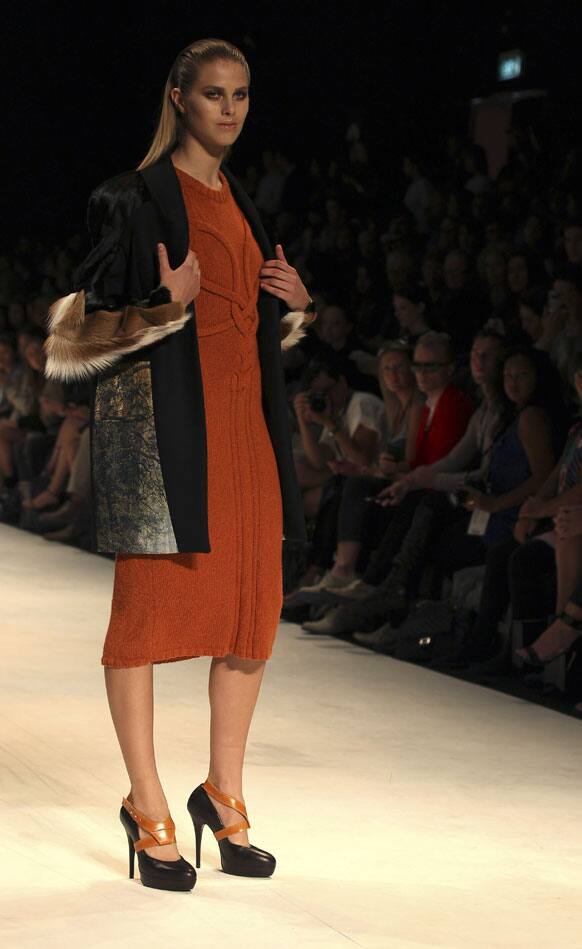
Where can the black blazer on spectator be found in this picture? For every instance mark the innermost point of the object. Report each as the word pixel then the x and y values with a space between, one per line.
pixel 148 430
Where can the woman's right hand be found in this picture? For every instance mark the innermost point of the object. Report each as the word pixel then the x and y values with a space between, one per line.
pixel 183 282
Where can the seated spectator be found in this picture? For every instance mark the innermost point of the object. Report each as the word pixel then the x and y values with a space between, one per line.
pixel 352 426
pixel 532 305
pixel 338 342
pixel 394 564
pixel 463 309
pixel 562 336
pixel 522 456
pixel 403 408
pixel 22 390
pixel 8 365
pixel 410 311
pixel 71 521
pixel 562 637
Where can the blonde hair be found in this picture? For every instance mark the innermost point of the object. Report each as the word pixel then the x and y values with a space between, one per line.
pixel 183 75
pixel 392 403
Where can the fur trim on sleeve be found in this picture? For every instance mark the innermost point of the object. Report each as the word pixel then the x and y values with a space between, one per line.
pixel 80 344
pixel 293 327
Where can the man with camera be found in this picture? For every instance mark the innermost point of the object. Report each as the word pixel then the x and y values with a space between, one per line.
pixel 340 430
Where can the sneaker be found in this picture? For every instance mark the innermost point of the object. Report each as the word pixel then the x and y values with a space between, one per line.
pixel 323 591
pixel 356 590
pixel 384 637
pixel 332 623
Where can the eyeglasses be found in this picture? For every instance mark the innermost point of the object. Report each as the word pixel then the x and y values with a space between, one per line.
pixel 428 366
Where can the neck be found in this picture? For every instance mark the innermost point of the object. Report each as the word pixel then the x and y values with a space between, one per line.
pixel 487 391
pixel 190 156
pixel 433 397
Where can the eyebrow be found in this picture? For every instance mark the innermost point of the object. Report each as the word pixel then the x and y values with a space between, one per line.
pixel 222 89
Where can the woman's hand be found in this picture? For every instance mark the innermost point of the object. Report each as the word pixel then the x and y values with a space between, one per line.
pixel 387 464
pixel 478 500
pixel 522 529
pixel 568 522
pixel 183 282
pixel 533 508
pixel 282 280
pixel 344 466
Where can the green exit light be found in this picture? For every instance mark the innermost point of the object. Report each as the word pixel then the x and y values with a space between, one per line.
pixel 509 65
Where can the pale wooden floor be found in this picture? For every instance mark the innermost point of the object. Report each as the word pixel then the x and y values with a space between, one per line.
pixel 405 808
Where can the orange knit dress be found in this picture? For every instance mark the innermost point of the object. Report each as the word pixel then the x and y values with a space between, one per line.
pixel 228 601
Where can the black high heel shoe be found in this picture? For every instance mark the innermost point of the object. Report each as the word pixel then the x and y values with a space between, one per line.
pixel 532 659
pixel 161 874
pixel 235 858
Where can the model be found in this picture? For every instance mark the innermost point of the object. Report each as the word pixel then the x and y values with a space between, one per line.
pixel 193 479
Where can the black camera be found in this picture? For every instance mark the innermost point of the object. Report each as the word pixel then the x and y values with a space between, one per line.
pixel 317 402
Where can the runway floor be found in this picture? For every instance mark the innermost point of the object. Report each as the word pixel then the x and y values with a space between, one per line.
pixel 406 808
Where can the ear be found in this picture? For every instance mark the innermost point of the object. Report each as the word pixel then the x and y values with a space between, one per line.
pixel 293 327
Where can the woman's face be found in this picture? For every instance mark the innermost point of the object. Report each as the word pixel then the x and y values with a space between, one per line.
pixel 519 379
pixel 334 326
pixel 578 384
pixel 396 372
pixel 531 323
pixel 216 106
pixel 35 355
pixel 517 275
pixel 406 312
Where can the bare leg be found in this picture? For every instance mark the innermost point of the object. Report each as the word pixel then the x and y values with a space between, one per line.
pixel 346 557
pixel 233 688
pixel 131 700
pixel 568 567
pixel 311 500
pixel 559 635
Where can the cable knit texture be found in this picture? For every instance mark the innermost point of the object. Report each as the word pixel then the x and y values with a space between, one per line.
pixel 177 606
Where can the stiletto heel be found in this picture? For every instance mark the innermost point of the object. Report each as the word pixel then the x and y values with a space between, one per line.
pixel 131 857
pixel 235 858
pixel 161 874
pixel 198 828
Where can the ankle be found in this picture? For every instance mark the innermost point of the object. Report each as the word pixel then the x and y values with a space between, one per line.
pixel 227 784
pixel 151 803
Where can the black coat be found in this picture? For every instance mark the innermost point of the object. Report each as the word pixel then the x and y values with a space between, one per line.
pixel 128 216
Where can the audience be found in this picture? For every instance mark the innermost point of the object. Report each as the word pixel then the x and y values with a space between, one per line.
pixel 425 288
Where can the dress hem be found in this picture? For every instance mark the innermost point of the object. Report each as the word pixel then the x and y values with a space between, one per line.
pixel 134 663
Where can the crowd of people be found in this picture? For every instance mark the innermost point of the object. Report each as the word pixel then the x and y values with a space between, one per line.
pixel 433 404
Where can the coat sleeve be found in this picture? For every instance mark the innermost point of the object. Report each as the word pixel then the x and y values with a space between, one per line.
pixel 92 328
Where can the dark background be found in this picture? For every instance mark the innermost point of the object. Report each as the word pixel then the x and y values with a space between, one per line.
pixel 82 85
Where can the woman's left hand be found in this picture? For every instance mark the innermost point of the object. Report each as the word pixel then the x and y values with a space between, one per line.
pixel 344 466
pixel 478 500
pixel 282 280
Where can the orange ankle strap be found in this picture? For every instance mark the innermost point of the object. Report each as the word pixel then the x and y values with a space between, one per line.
pixel 231 802
pixel 161 832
